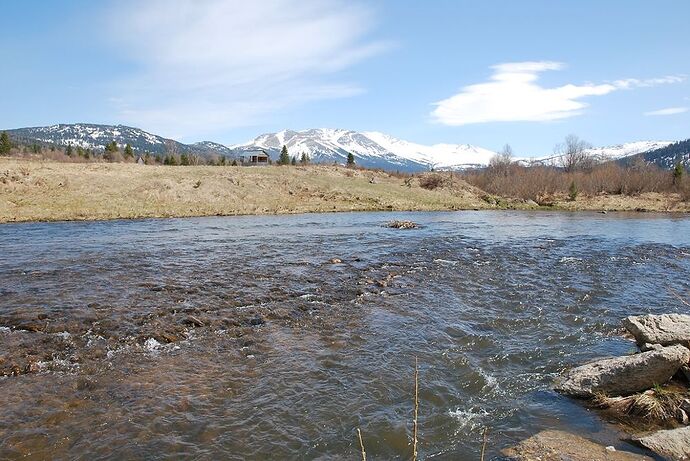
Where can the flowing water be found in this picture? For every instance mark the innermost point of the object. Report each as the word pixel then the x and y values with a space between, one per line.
pixel 238 338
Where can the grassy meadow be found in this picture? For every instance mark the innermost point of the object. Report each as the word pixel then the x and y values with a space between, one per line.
pixel 39 190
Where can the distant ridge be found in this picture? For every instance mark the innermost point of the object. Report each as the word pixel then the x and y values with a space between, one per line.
pixel 327 145
pixel 93 136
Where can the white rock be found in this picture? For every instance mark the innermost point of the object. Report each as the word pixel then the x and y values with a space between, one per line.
pixel 673 444
pixel 666 329
pixel 624 375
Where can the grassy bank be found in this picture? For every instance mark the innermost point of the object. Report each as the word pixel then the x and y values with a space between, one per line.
pixel 51 191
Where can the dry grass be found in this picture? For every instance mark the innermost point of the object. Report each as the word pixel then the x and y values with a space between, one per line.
pixel 416 409
pixel 32 190
pixel 654 405
pixel 361 445
pixel 49 191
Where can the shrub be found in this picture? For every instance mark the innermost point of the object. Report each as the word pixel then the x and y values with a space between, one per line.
pixel 572 191
pixel 431 182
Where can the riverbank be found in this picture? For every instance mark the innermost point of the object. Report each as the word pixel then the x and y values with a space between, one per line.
pixel 53 191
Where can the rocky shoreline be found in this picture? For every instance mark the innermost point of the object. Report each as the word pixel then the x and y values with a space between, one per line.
pixel 647 391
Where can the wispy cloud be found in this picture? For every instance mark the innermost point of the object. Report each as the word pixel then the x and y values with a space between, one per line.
pixel 513 94
pixel 668 111
pixel 210 64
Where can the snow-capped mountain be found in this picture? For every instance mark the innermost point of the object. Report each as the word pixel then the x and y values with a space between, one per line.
pixel 606 153
pixel 92 136
pixel 665 157
pixel 371 149
pixel 626 150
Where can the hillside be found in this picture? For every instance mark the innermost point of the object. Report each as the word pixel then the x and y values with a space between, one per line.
pixel 665 157
pixel 54 191
pixel 50 191
pixel 92 136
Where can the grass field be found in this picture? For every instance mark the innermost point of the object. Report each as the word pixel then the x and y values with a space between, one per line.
pixel 50 191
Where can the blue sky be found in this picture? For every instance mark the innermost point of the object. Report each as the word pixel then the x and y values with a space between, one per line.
pixel 487 73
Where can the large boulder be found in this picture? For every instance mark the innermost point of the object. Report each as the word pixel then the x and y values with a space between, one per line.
pixel 666 329
pixel 624 375
pixel 673 444
pixel 560 446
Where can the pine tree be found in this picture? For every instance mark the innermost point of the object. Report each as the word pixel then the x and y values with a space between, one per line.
pixel 284 156
pixel 293 162
pixel 129 153
pixel 184 160
pixel 305 159
pixel 5 144
pixel 350 159
pixel 678 173
pixel 69 151
pixel 110 151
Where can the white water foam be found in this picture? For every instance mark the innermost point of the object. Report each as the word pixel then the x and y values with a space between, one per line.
pixel 468 418
pixel 152 345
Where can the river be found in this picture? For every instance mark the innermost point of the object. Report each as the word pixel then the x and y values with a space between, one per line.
pixel 239 338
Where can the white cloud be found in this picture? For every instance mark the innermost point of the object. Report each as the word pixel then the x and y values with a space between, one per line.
pixel 211 64
pixel 668 111
pixel 513 94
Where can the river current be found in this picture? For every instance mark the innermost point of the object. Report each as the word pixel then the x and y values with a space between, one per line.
pixel 239 338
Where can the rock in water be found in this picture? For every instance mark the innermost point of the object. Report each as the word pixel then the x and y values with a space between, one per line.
pixel 560 446
pixel 673 444
pixel 666 329
pixel 624 375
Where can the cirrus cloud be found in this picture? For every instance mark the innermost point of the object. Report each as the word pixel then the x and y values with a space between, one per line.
pixel 668 111
pixel 204 65
pixel 513 94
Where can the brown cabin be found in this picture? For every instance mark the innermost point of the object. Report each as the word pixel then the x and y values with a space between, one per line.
pixel 255 158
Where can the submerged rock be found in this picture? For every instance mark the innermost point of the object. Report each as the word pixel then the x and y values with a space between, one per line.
pixel 402 225
pixel 666 329
pixel 673 444
pixel 559 446
pixel 624 375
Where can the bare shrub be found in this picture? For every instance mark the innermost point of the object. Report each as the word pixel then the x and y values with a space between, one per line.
pixel 500 163
pixel 431 182
pixel 684 190
pixel 573 154
pixel 537 182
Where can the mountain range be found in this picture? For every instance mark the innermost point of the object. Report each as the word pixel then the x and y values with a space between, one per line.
pixel 325 145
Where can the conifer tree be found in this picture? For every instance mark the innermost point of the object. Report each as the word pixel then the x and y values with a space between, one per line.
pixel 304 159
pixel 5 144
pixel 69 151
pixel 284 156
pixel 350 159
pixel 678 173
pixel 184 159
pixel 293 162
pixel 129 153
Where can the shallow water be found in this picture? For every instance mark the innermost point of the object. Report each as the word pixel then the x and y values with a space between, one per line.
pixel 236 338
